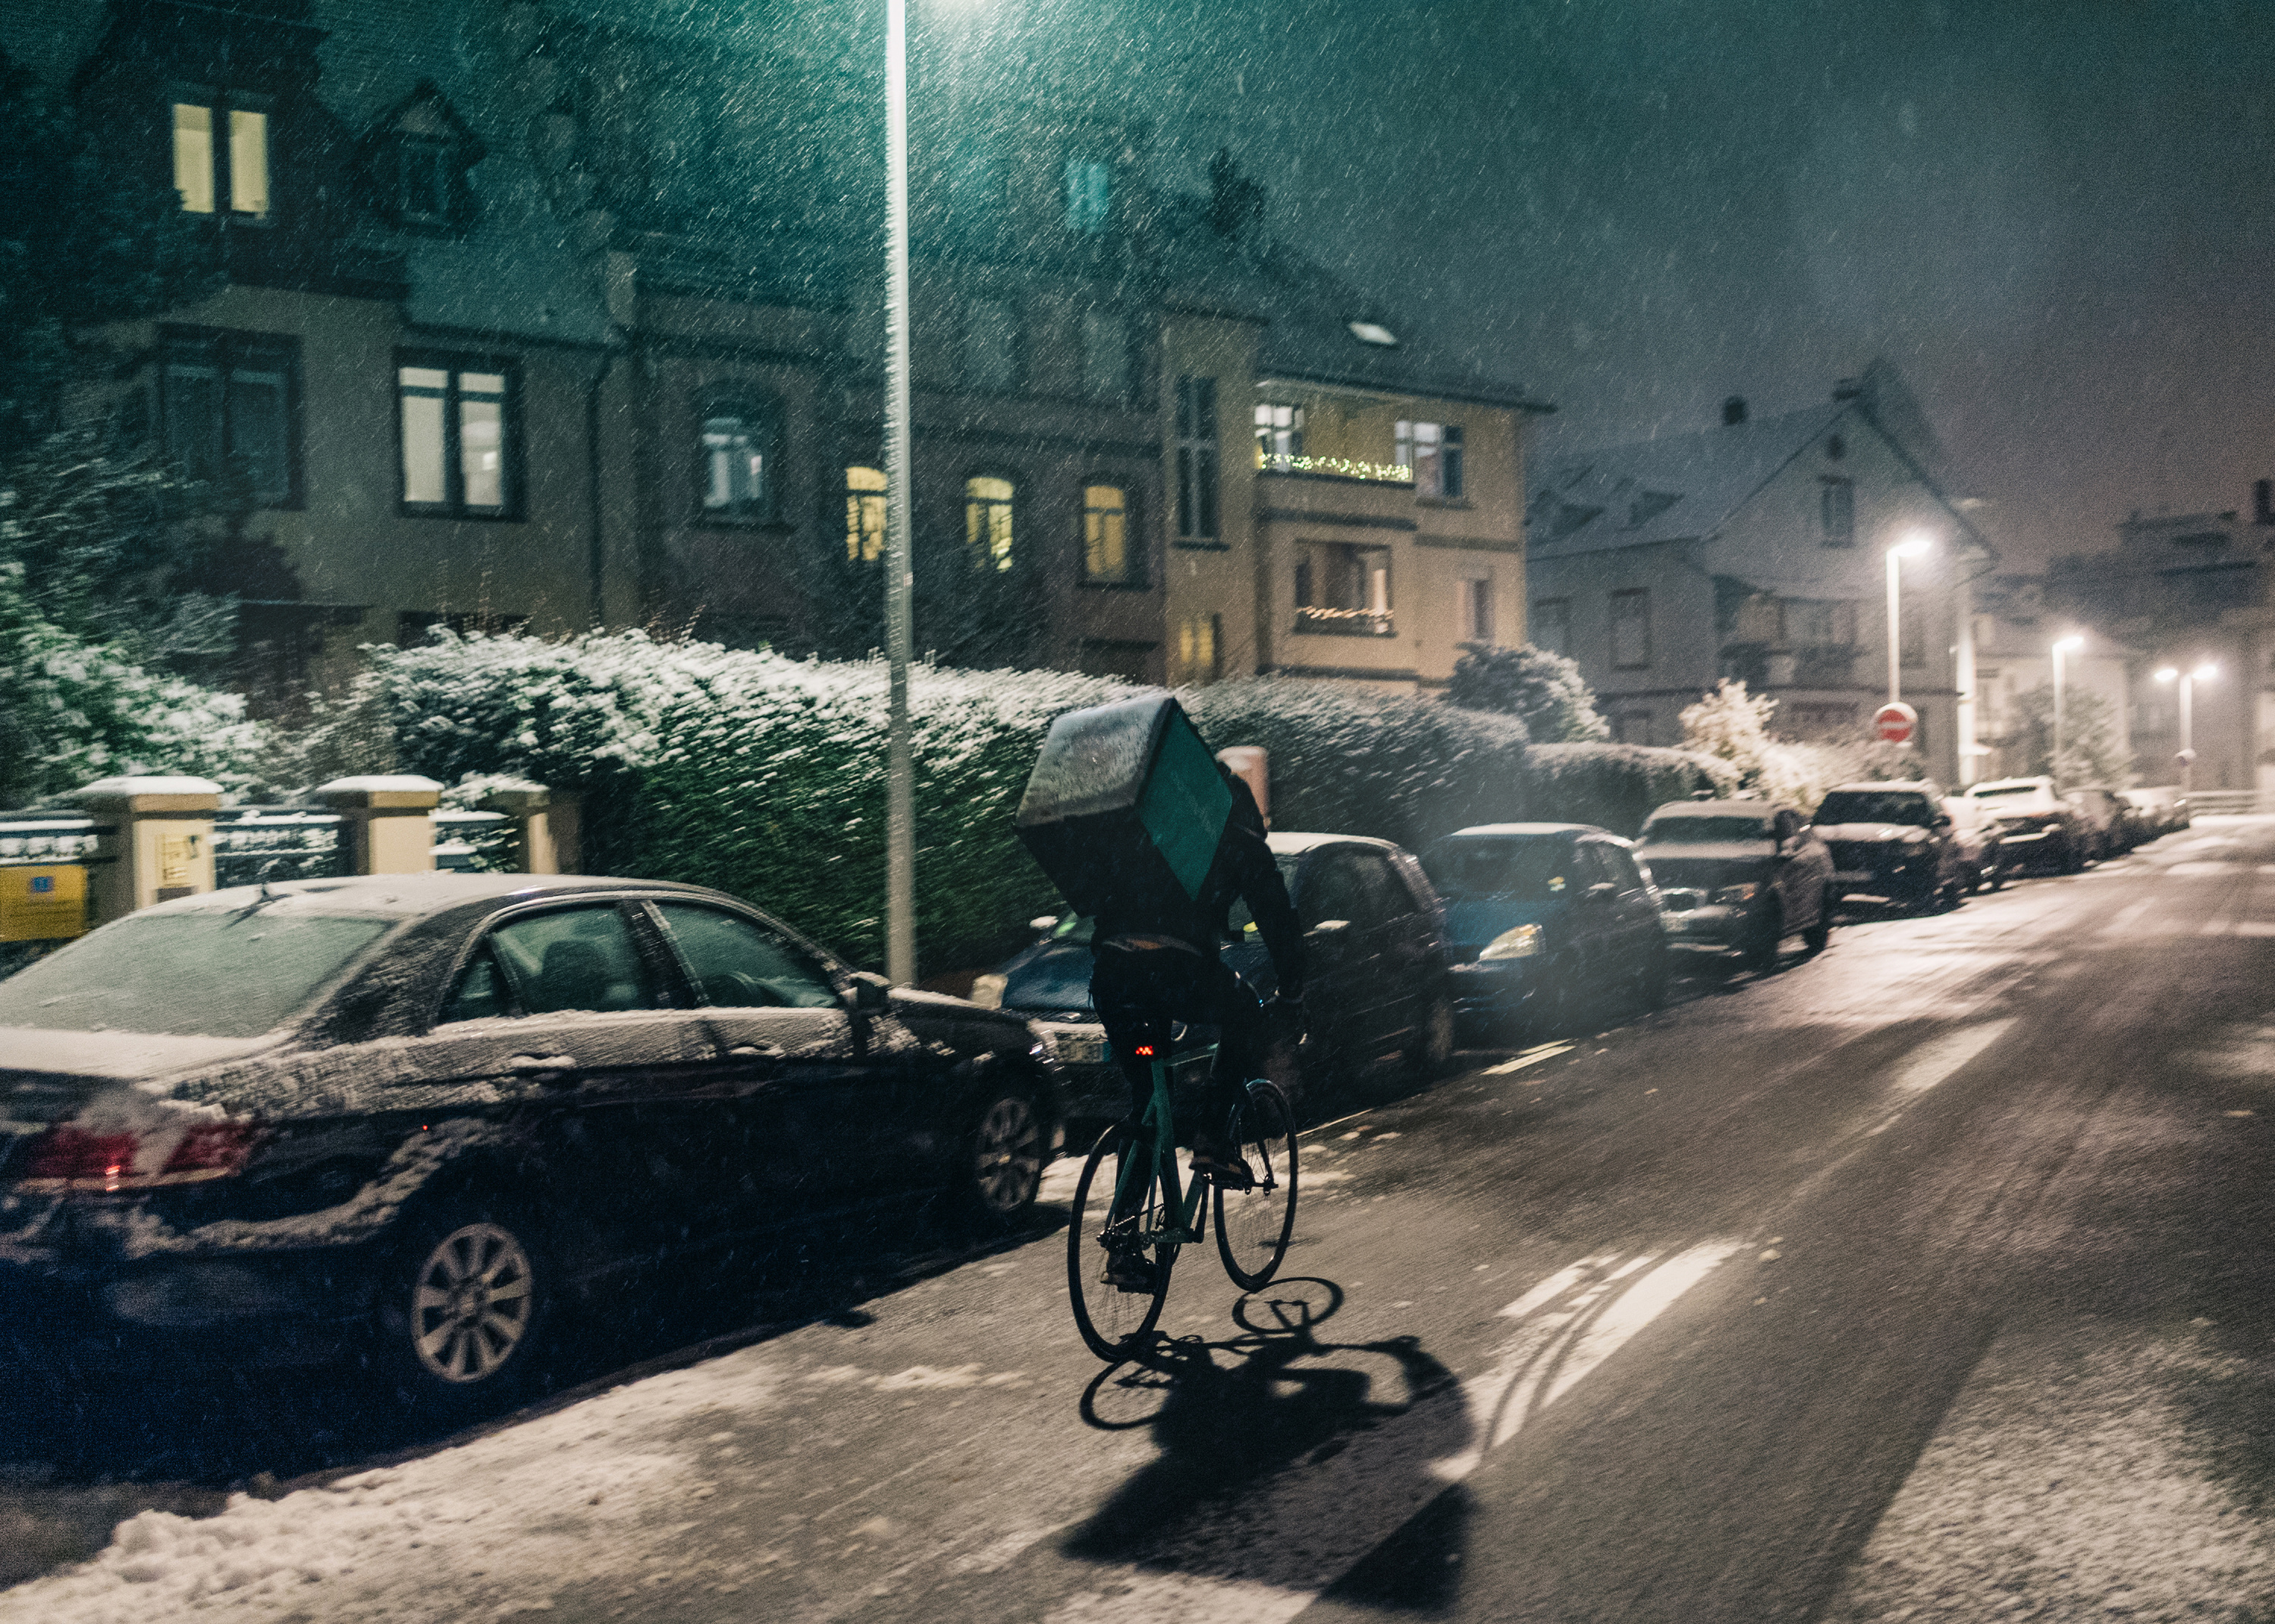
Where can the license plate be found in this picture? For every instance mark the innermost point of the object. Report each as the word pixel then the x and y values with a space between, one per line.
pixel 1082 1048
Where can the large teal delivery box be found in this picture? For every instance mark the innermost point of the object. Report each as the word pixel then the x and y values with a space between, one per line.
pixel 1125 803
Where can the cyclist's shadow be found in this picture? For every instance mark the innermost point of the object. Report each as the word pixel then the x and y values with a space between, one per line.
pixel 1247 1484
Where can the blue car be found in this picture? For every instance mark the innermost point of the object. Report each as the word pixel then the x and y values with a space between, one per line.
pixel 1541 916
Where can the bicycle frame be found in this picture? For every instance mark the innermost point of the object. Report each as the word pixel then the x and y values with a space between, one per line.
pixel 1160 1125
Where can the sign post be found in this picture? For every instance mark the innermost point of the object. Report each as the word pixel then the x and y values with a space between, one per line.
pixel 1894 721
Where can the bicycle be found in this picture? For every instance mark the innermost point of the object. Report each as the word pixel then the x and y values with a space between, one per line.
pixel 1150 1216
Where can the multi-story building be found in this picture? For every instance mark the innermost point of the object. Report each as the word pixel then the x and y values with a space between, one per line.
pixel 2190 590
pixel 2016 631
pixel 535 320
pixel 1759 550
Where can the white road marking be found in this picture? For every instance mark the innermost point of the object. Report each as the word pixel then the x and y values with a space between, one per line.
pixel 2212 927
pixel 1292 1537
pixel 2122 923
pixel 1546 1051
pixel 1933 1061
pixel 2255 927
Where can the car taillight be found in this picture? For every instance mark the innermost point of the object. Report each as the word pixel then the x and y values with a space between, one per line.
pixel 67 1157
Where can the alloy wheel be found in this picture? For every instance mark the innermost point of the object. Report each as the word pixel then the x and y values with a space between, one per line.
pixel 1007 1156
pixel 471 1304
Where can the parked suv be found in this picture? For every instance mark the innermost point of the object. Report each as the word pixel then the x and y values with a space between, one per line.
pixel 1893 841
pixel 2036 828
pixel 1739 876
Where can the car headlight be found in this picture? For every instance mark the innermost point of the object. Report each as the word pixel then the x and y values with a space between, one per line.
pixel 988 991
pixel 1521 943
pixel 1737 896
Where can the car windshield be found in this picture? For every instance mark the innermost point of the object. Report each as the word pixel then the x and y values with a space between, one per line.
pixel 1532 871
pixel 2004 792
pixel 206 975
pixel 1689 831
pixel 1874 806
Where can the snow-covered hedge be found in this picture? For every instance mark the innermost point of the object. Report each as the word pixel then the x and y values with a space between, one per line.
pixel 765 775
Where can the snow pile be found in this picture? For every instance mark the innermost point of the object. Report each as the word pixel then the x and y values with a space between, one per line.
pixel 492 1527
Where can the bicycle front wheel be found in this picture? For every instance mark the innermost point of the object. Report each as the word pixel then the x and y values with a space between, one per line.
pixel 1115 1316
pixel 1252 1226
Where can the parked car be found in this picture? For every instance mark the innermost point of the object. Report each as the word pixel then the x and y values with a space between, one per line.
pixel 1893 841
pixel 422 1111
pixel 1377 987
pixel 2162 807
pixel 2036 828
pixel 1974 833
pixel 2107 819
pixel 1738 877
pixel 1540 918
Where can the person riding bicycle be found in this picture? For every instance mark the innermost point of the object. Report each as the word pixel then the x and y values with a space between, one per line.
pixel 1155 961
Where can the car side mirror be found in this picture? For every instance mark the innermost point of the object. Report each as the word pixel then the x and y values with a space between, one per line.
pixel 867 993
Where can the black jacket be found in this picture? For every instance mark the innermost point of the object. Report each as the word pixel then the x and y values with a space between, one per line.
pixel 1245 870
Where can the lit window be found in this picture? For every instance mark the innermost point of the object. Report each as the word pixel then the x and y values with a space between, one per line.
pixel 1279 435
pixel 991 346
pixel 988 522
pixel 1104 535
pixel 1631 629
pixel 209 166
pixel 227 402
pixel 1477 610
pixel 1196 454
pixel 1433 452
pixel 1200 646
pixel 1089 195
pixel 1343 589
pixel 865 515
pixel 456 430
pixel 1105 355
pixel 737 465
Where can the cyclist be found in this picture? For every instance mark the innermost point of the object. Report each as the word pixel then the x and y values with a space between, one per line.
pixel 1158 963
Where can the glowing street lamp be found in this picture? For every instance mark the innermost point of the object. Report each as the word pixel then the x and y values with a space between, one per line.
pixel 2187 681
pixel 1917 544
pixel 2062 645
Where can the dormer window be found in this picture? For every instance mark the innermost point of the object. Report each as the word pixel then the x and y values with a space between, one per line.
pixel 221 153
pixel 415 162
pixel 1089 195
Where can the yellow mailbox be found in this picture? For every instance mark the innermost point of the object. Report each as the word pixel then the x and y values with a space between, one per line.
pixel 46 903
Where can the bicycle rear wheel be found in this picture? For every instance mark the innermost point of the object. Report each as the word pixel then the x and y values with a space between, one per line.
pixel 1252 1226
pixel 1114 1320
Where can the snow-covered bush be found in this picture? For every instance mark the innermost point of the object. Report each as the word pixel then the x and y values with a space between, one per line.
pixel 1733 725
pixel 1616 786
pixel 1541 688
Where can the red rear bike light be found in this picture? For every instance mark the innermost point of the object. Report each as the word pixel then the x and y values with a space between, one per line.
pixel 1142 1051
pixel 68 1158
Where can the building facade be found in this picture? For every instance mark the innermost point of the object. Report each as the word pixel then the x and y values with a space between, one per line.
pixel 534 321
pixel 1757 550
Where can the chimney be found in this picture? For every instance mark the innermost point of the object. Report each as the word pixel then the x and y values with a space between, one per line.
pixel 1733 411
pixel 2262 502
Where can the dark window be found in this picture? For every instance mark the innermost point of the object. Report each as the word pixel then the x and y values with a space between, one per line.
pixel 991 346
pixel 1089 195
pixel 1836 512
pixel 1631 728
pixel 738 963
pixel 1105 356
pixel 575 959
pixel 1196 457
pixel 228 404
pixel 737 462
pixel 460 436
pixel 1551 625
pixel 1106 560
pixel 221 153
pixel 1477 609
pixel 1631 629
pixel 1433 452
pixel 425 171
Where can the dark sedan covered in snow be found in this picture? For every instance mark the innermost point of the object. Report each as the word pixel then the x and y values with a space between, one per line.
pixel 1738 877
pixel 423 1109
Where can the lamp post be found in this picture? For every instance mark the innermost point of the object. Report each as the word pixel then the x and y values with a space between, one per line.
pixel 900 763
pixel 2187 681
pixel 1914 546
pixel 2062 645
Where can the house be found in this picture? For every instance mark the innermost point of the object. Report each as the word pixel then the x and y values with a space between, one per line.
pixel 1758 549
pixel 539 319
pixel 2015 629
pixel 2190 590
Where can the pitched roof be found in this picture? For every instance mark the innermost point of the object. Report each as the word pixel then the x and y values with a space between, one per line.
pixel 1677 488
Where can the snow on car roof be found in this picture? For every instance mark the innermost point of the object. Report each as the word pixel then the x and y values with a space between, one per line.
pixel 402 895
pixel 1292 843
pixel 1525 828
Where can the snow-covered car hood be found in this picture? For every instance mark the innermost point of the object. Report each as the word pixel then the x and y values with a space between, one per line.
pixel 117 1057
pixel 1863 833
pixel 1716 852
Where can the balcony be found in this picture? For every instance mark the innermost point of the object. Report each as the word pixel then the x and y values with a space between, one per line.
pixel 1759 666
pixel 1343 623
pixel 1342 468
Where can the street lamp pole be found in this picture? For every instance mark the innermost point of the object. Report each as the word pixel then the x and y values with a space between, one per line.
pixel 2062 645
pixel 1913 546
pixel 900 761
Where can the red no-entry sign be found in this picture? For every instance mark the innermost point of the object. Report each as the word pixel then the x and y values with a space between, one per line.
pixel 1894 721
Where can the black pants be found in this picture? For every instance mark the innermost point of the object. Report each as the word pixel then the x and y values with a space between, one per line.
pixel 1137 991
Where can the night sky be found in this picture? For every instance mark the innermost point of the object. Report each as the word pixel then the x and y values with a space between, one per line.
pixel 2054 217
